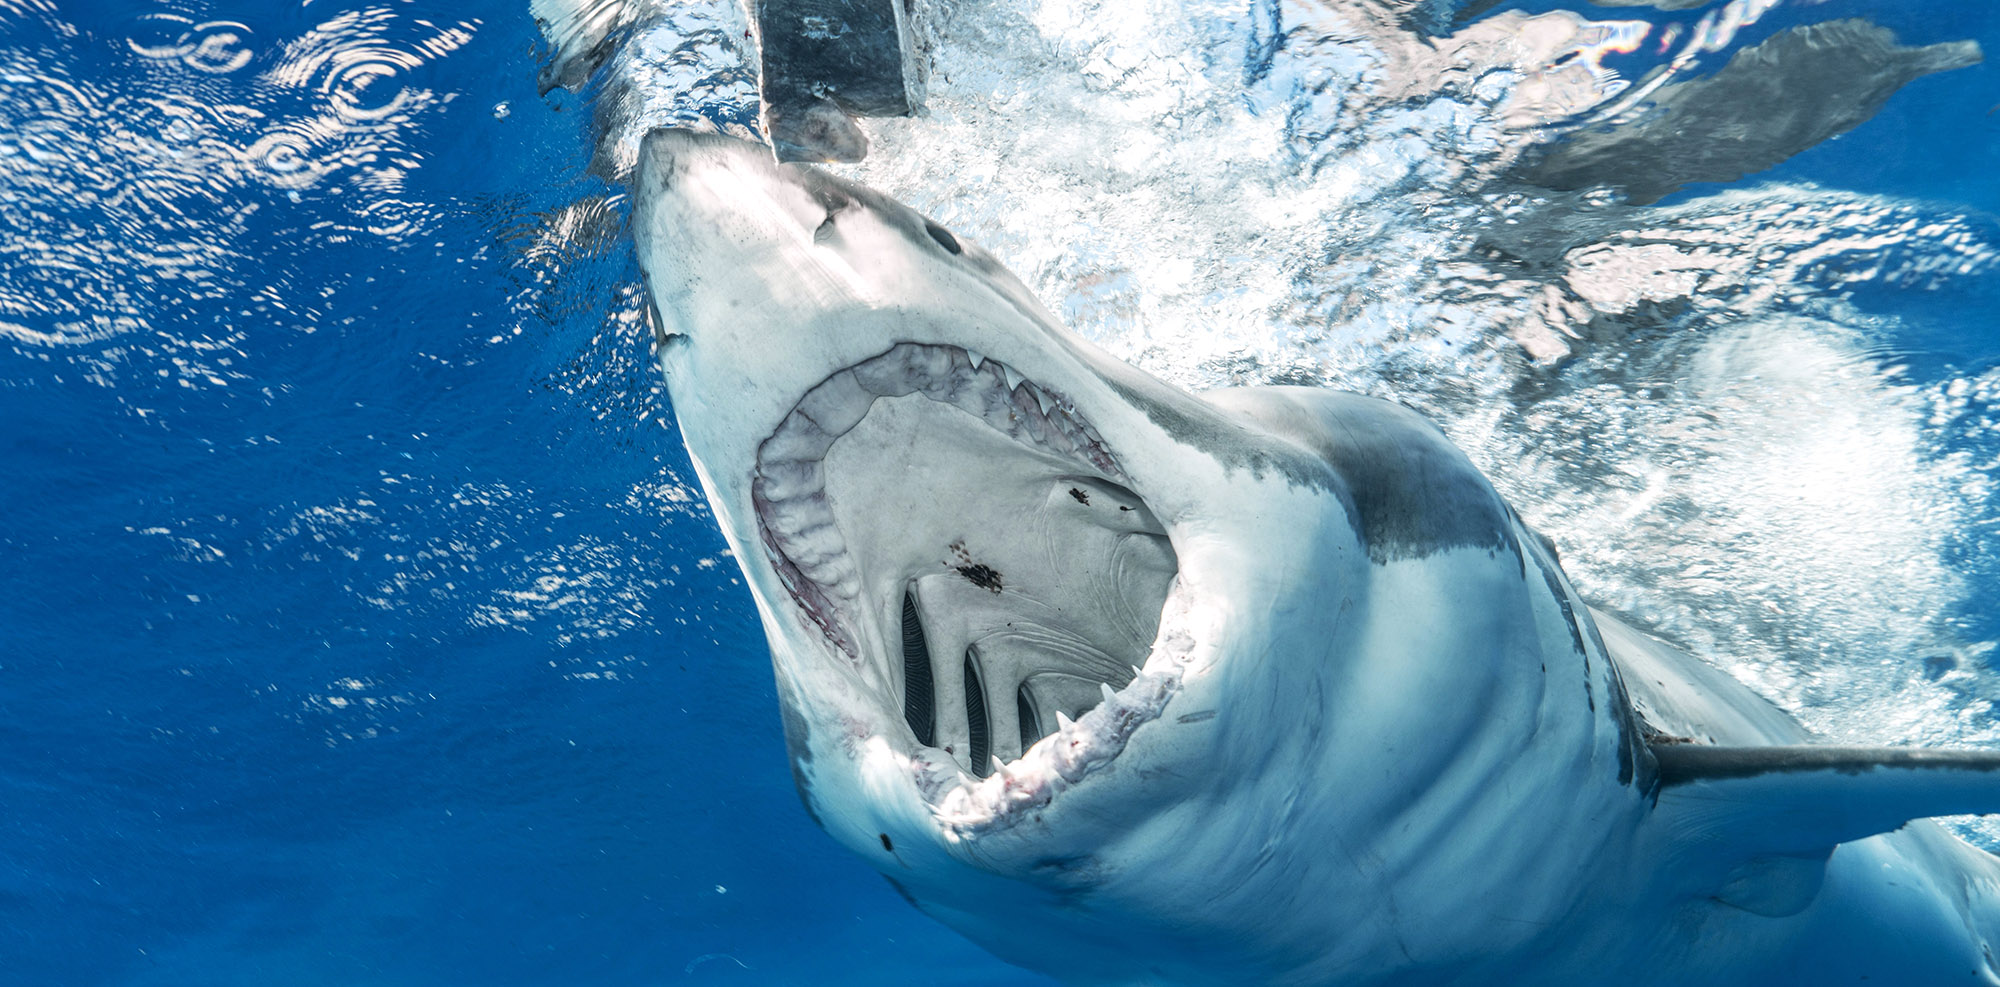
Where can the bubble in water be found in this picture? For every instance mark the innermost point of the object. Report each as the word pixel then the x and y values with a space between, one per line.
pixel 286 159
pixel 218 47
pixel 178 130
pixel 160 35
pixel 363 86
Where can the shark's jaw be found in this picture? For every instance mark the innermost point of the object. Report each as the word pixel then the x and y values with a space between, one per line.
pixel 969 548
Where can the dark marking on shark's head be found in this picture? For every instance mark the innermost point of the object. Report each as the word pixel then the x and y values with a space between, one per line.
pixel 977 573
pixel 1415 494
pixel 1409 492
pixel 981 575
pixel 1226 441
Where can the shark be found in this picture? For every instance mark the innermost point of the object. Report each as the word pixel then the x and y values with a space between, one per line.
pixel 1133 685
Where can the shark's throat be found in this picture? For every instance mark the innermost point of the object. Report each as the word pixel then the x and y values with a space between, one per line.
pixel 968 541
pixel 794 516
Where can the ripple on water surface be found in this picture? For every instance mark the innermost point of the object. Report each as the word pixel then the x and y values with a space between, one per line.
pixel 129 203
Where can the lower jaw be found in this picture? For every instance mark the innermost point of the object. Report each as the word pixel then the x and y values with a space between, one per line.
pixel 966 807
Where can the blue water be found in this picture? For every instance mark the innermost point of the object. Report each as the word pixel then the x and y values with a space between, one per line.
pixel 281 699
pixel 357 625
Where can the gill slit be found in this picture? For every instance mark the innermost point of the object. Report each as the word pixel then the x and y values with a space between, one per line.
pixel 919 688
pixel 980 742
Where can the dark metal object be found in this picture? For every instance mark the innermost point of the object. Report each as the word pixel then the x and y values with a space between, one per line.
pixel 826 62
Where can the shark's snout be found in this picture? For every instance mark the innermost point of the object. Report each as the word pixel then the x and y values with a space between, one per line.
pixel 733 238
pixel 729 201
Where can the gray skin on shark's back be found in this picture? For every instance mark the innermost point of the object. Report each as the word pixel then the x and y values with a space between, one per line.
pixel 1411 493
pixel 1408 492
pixel 1376 737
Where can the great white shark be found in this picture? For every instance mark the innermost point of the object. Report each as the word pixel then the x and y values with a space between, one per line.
pixel 1260 685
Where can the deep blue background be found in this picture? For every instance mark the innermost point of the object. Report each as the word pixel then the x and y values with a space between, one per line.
pixel 181 802
pixel 388 504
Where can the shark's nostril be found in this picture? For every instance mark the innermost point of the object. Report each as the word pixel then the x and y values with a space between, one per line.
pixel 919 696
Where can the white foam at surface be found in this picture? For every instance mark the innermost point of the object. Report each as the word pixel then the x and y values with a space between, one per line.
pixel 1678 395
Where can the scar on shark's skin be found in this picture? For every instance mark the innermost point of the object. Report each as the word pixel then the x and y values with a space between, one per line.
pixel 978 573
pixel 981 576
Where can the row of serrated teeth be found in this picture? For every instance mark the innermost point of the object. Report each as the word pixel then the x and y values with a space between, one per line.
pixel 1055 762
pixel 969 807
pixel 789 491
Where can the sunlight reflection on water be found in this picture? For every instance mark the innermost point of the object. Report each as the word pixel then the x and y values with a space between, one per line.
pixel 151 187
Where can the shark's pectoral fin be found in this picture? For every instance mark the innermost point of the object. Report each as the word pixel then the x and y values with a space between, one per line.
pixel 1758 824
pixel 1804 799
pixel 1752 811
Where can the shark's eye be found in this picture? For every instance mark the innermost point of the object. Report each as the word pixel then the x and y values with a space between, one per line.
pixel 919 702
pixel 943 237
pixel 981 742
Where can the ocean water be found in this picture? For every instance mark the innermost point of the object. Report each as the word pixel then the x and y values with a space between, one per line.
pixel 362 623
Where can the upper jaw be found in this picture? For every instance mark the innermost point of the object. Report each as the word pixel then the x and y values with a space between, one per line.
pixel 766 278
pixel 795 515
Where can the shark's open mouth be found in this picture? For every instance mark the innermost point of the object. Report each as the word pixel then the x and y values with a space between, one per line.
pixel 968 541
pixel 794 515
